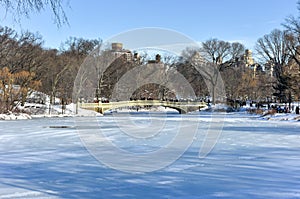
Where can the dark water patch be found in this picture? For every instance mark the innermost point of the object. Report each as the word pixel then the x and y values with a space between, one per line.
pixel 80 127
pixel 61 127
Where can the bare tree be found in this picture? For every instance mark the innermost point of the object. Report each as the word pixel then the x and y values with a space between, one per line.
pixel 8 44
pixel 293 45
pixel 232 82
pixel 186 67
pixel 22 53
pixel 292 24
pixel 210 48
pixel 223 51
pixel 211 75
pixel 273 48
pixel 216 50
pixel 20 8
pixel 14 86
pixel 236 50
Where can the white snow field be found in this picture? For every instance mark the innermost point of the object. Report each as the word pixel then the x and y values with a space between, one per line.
pixel 253 158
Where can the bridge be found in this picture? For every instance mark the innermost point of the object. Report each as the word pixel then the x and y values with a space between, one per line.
pixel 181 107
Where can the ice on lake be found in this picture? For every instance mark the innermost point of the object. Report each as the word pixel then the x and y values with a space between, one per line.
pixel 253 158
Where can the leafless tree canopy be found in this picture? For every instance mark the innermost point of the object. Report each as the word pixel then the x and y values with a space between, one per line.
pixel 20 8
pixel 47 70
pixel 292 25
pixel 217 50
pixel 237 49
pixel 273 47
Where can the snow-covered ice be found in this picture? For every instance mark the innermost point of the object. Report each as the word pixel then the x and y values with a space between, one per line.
pixel 253 158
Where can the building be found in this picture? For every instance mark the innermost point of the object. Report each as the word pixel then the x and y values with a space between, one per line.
pixel 247 58
pixel 117 49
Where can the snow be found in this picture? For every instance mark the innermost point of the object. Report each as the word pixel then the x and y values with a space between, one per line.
pixel 42 111
pixel 218 108
pixel 152 109
pixel 282 117
pixel 253 158
pixel 37 110
pixel 18 116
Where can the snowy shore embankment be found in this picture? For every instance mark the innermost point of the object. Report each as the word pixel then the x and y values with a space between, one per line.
pixel 282 117
pixel 263 113
pixel 41 111
pixel 70 111
pixel 15 116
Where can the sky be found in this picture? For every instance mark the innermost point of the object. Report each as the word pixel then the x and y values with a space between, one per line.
pixel 228 20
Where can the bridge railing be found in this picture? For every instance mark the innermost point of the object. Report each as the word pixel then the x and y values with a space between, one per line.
pixel 142 103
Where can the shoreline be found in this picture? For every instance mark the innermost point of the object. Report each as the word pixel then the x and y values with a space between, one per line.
pixel 89 113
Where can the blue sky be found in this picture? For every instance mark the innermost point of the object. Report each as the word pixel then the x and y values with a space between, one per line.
pixel 229 20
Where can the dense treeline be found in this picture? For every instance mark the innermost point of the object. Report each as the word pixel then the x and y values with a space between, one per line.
pixel 275 76
pixel 25 66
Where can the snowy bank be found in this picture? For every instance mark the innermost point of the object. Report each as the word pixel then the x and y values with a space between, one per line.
pixel 42 111
pixel 15 116
pixel 218 108
pixel 282 117
pixel 69 111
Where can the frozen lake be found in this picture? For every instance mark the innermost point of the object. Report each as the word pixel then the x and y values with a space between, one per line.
pixel 252 158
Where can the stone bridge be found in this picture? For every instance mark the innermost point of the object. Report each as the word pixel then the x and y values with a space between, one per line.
pixel 181 107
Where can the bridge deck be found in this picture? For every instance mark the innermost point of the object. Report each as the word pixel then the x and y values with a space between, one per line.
pixel 182 107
